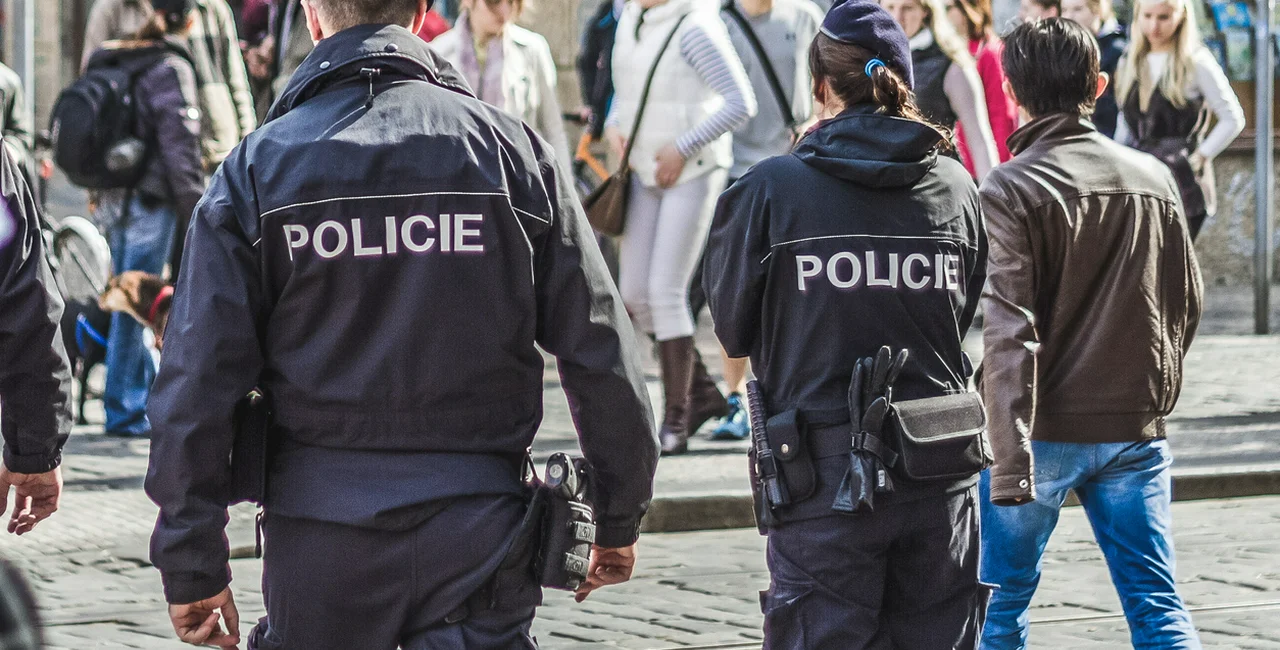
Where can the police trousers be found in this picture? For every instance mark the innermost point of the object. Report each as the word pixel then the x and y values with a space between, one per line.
pixel 904 576
pixel 330 586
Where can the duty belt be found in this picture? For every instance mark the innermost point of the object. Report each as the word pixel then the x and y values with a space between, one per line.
pixel 829 440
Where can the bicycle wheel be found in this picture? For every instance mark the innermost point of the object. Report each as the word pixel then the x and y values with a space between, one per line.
pixel 84 259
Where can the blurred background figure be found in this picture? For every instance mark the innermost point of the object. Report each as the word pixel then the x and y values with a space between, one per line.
pixel 17 122
pixel 784 30
pixel 509 67
pixel 595 64
pixel 973 21
pixel 1098 17
pixel 1168 85
pixel 681 158
pixel 256 46
pixel 1033 10
pixel 142 235
pixel 226 105
pixel 947 87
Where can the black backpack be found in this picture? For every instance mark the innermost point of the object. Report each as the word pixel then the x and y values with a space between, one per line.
pixel 93 126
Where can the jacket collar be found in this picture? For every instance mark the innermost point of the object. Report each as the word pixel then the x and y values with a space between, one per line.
pixel 341 57
pixel 1058 126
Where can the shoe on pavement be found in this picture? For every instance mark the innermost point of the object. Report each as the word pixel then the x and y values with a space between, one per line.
pixel 736 425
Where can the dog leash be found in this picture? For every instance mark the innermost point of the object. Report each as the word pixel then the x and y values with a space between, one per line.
pixel 165 294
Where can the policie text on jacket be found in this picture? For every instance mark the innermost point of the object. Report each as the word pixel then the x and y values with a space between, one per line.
pixel 846 270
pixel 448 233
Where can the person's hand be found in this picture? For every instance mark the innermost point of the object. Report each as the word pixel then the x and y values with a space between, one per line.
pixel 617 141
pixel 670 166
pixel 609 566
pixel 1197 162
pixel 584 114
pixel 36 496
pixel 197 623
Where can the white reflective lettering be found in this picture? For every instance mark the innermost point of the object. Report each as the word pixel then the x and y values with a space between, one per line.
pixel 296 237
pixel 938 271
pixel 872 280
pixel 855 271
pixel 952 271
pixel 406 233
pixel 392 243
pixel 461 233
pixel 807 266
pixel 318 240
pixel 446 237
pixel 906 271
pixel 357 240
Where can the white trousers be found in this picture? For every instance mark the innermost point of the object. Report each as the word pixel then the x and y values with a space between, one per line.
pixel 665 234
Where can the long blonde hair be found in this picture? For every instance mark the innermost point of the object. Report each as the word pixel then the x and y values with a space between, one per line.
pixel 944 33
pixel 1133 67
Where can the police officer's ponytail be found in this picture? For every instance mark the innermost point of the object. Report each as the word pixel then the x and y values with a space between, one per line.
pixel 855 76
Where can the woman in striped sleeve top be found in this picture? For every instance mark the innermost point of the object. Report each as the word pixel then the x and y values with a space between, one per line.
pixel 681 159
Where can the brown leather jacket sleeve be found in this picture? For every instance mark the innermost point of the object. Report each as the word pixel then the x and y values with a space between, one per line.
pixel 1011 344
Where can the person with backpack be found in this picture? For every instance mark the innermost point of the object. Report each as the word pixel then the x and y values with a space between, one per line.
pixel 226 105
pixel 156 193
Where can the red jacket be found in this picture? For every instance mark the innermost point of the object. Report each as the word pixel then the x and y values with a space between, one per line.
pixel 434 26
pixel 1001 111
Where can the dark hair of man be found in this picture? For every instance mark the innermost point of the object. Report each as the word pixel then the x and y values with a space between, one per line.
pixel 843 67
pixel 342 14
pixel 1055 5
pixel 1052 66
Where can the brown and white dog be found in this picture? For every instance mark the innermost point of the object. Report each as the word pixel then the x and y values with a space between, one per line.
pixel 143 296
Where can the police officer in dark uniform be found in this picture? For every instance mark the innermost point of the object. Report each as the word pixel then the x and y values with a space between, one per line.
pixel 35 380
pixel 849 271
pixel 384 257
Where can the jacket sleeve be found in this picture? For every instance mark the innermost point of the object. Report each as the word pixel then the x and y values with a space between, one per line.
pixel 1011 344
pixel 35 382
pixel 173 104
pixel 581 321
pixel 212 358
pixel 734 269
pixel 236 74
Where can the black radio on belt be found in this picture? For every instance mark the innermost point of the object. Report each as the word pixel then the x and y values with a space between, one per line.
pixel 568 530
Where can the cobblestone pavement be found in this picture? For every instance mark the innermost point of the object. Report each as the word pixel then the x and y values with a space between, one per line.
pixel 691 589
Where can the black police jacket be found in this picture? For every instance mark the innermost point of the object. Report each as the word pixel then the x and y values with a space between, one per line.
pixel 35 382
pixel 385 255
pixel 863 236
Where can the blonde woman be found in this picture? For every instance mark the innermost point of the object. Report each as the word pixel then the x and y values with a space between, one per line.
pixel 681 159
pixel 1168 84
pixel 508 67
pixel 947 86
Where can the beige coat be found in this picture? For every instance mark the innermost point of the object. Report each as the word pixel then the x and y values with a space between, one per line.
pixel 528 83
pixel 226 106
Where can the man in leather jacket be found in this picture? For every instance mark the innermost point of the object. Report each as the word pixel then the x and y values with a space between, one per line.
pixel 1092 299
pixel 384 257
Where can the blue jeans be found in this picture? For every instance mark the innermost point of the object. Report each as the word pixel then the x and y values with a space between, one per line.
pixel 1126 491
pixel 141 243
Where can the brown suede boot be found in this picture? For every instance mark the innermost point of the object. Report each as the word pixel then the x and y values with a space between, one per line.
pixel 676 358
pixel 705 399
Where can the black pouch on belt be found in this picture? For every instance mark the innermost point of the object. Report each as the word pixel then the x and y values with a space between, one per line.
pixel 568 527
pixel 940 438
pixel 788 438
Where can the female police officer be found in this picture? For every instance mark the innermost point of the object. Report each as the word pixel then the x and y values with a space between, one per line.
pixel 864 236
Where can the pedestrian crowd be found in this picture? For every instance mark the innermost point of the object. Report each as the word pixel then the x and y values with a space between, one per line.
pixel 840 185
